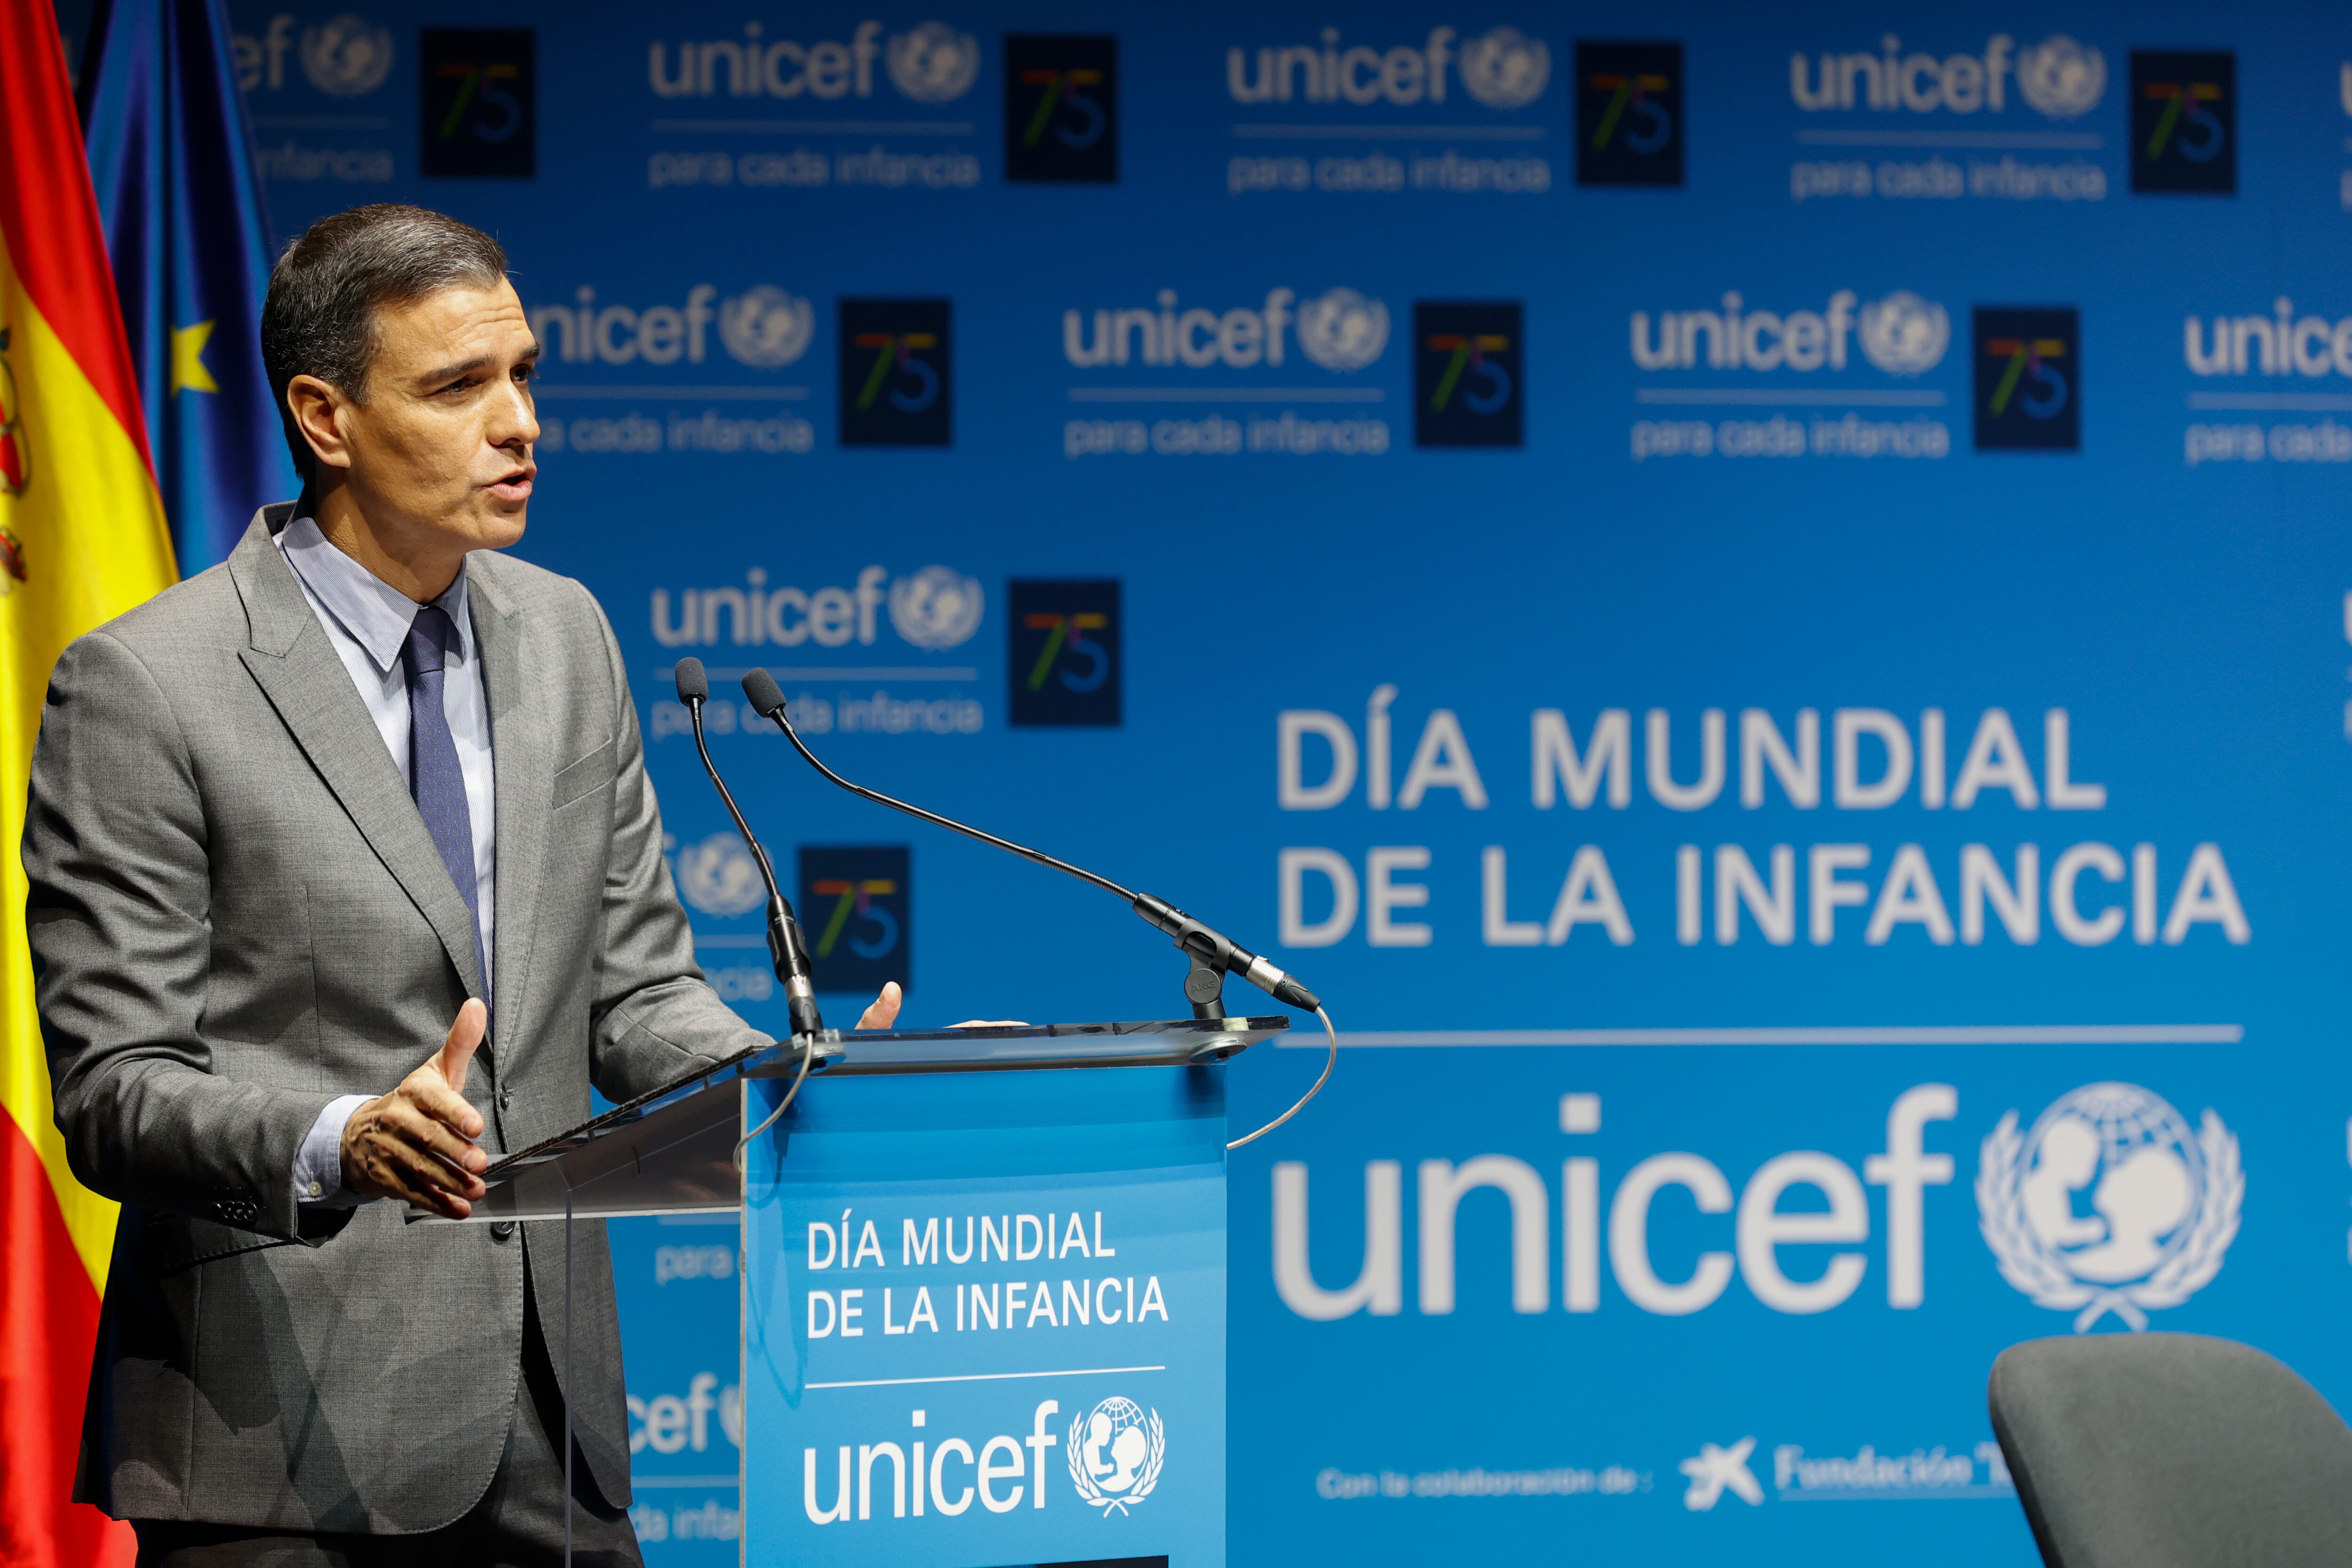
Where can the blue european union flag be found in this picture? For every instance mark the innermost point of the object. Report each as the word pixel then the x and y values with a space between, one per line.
pixel 172 157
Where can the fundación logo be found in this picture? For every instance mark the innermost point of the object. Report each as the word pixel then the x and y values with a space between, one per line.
pixel 1339 329
pixel 1900 333
pixel 856 908
pixel 1061 108
pixel 932 63
pixel 1503 68
pixel 477 103
pixel 764 327
pixel 2028 379
pixel 895 374
pixel 2184 123
pixel 2057 77
pixel 1114 1453
pixel 1063 664
pixel 1867 1474
pixel 1468 376
pixel 1629 114
pixel 2164 1201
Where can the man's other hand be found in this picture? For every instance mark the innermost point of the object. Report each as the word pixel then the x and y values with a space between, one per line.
pixel 884 1010
pixel 417 1143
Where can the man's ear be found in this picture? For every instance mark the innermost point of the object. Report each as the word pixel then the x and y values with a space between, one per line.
pixel 318 409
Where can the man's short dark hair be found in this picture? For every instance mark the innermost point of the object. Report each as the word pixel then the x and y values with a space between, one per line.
pixel 320 316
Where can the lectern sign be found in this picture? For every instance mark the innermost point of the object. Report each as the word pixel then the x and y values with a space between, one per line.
pixel 987 1359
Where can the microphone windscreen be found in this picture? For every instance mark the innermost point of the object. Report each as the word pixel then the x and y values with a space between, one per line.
pixel 693 685
pixel 766 694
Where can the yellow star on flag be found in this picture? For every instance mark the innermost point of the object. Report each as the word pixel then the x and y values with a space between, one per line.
pixel 188 371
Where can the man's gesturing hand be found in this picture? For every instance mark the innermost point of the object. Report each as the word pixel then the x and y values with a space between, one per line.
pixel 884 1011
pixel 416 1142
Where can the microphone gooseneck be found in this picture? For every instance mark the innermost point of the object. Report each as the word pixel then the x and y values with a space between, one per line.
pixel 1207 948
pixel 786 949
pixel 1213 953
pixel 768 698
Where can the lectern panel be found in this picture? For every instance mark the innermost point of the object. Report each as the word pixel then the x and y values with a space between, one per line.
pixel 984 1319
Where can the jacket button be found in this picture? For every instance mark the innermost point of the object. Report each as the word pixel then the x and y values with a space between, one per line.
pixel 505 1097
pixel 502 1230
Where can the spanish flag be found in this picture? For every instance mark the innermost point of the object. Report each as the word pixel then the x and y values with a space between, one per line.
pixel 82 538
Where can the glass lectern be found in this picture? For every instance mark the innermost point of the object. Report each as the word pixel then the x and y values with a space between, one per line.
pixel 983 1304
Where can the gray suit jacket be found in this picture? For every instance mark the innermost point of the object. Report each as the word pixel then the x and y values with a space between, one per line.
pixel 236 915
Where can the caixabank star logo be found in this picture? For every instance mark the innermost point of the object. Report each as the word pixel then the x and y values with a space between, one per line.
pixel 1629 113
pixel 2028 379
pixel 896 380
pixel 1064 663
pixel 857 911
pixel 2184 123
pixel 1469 384
pixel 477 103
pixel 1061 108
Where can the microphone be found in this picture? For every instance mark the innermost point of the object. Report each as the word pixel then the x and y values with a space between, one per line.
pixel 1213 953
pixel 786 948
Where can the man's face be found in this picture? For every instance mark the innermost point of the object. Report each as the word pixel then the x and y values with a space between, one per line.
pixel 442 446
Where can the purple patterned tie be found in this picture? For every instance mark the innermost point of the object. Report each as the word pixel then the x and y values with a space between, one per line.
pixel 433 777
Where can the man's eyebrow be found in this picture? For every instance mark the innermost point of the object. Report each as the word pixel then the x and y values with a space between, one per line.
pixel 451 372
pixel 467 367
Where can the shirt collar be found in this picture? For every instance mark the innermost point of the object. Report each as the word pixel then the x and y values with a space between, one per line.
pixel 371 611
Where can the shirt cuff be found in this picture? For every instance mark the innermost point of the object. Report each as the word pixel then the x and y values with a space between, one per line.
pixel 318 1164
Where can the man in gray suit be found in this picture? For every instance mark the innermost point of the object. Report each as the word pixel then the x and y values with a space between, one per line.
pixel 300 828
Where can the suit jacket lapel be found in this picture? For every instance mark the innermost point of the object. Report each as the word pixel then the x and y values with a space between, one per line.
pixel 523 763
pixel 297 670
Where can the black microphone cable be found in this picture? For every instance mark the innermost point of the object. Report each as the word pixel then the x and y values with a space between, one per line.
pixel 1197 940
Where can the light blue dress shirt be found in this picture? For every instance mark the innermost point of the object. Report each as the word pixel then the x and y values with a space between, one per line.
pixel 366 620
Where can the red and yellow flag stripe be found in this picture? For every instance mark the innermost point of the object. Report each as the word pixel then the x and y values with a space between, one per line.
pixel 82 538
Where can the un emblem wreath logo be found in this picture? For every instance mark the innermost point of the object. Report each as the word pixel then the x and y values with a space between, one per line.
pixel 2166 1201
pixel 933 64
pixel 1506 68
pixel 2061 78
pixel 1903 334
pixel 1343 330
pixel 719 875
pixel 348 56
pixel 766 327
pixel 1115 1451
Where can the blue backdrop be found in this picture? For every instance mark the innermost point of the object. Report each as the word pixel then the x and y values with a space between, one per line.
pixel 1762 605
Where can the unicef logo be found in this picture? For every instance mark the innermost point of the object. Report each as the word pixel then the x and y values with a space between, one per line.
pixel 766 327
pixel 1115 1450
pixel 718 877
pixel 937 607
pixel 2164 1204
pixel 1343 330
pixel 934 63
pixel 348 56
pixel 1903 334
pixel 2061 78
pixel 1506 69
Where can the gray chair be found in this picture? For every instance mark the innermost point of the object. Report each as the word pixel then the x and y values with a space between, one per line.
pixel 2171 1451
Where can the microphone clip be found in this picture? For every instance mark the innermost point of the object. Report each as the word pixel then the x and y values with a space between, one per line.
pixel 1215 955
